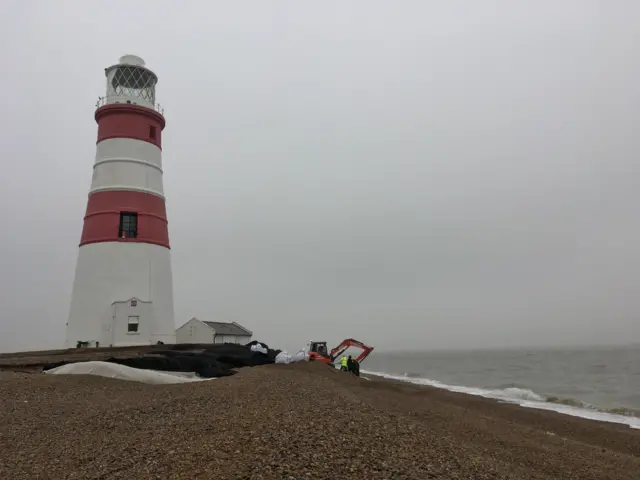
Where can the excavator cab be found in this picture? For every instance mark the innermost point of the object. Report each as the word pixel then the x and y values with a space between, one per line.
pixel 320 348
pixel 318 351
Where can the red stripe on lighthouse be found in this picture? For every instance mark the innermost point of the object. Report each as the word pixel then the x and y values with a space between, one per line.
pixel 122 120
pixel 102 219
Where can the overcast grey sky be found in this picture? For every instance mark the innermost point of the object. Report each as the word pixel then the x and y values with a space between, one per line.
pixel 414 173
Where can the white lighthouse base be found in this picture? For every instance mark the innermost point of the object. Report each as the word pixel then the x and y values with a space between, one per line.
pixel 118 284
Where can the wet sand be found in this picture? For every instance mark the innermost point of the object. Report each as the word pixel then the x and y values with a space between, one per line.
pixel 292 422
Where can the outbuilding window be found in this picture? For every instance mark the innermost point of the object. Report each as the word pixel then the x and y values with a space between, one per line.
pixel 132 327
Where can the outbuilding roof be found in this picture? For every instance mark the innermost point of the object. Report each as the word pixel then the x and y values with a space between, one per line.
pixel 233 328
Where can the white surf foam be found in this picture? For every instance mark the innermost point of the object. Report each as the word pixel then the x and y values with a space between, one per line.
pixel 523 397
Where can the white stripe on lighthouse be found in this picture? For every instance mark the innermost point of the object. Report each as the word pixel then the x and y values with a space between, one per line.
pixel 128 164
pixel 129 148
pixel 111 272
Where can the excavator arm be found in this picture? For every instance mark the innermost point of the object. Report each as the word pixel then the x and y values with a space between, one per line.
pixel 350 342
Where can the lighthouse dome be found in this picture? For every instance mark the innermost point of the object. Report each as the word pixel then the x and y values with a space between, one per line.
pixel 132 60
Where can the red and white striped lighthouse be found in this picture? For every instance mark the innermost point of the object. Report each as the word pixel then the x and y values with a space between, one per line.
pixel 123 287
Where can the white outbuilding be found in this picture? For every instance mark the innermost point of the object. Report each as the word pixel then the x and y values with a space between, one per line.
pixel 198 331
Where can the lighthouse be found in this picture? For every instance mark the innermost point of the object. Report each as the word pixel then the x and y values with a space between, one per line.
pixel 123 286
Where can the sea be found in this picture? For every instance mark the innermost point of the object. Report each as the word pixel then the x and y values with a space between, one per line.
pixel 599 383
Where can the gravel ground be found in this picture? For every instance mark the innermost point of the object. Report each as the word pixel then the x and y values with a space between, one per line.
pixel 302 421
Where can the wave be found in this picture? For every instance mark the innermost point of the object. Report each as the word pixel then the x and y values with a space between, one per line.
pixel 570 401
pixel 528 399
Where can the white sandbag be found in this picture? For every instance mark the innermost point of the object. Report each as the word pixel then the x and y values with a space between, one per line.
pixel 300 356
pixel 283 357
pixel 122 372
pixel 258 347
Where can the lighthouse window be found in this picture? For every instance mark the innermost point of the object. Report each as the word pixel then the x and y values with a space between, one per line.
pixel 128 225
pixel 152 132
pixel 133 324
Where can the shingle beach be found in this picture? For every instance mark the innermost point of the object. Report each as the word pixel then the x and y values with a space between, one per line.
pixel 300 421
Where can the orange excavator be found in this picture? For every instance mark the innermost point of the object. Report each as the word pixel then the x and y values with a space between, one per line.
pixel 318 351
